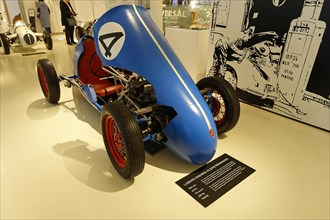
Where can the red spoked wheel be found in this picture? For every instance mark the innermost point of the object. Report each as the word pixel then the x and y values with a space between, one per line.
pixel 115 141
pixel 43 82
pixel 222 100
pixel 123 139
pixel 48 80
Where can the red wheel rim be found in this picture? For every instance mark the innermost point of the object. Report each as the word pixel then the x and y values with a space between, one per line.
pixel 43 82
pixel 219 108
pixel 115 141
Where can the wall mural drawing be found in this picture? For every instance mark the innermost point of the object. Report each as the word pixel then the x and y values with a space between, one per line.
pixel 275 54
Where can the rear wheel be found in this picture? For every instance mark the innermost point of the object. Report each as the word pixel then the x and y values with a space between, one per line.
pixel 123 139
pixel 5 43
pixel 48 80
pixel 222 100
pixel 48 40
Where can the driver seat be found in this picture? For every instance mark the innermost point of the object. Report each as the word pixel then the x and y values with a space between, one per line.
pixel 90 72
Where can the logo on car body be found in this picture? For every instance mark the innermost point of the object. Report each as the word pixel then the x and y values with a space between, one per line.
pixel 111 40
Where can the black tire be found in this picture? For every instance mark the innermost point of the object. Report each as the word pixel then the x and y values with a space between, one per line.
pixel 48 40
pixel 5 43
pixel 224 103
pixel 119 126
pixel 49 81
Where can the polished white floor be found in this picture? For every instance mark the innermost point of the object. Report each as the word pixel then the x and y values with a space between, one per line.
pixel 54 165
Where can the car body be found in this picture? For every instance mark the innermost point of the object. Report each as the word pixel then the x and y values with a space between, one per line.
pixel 22 35
pixel 129 73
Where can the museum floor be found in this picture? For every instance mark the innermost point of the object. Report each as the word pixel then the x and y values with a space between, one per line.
pixel 54 165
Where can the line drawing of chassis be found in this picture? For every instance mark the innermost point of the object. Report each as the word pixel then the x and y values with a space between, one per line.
pixel 149 98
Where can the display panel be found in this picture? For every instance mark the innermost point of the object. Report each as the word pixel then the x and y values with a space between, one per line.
pixel 195 15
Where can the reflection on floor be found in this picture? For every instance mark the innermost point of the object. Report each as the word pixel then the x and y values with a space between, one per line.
pixel 54 165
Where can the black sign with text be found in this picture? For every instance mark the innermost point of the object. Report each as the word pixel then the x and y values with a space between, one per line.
pixel 214 179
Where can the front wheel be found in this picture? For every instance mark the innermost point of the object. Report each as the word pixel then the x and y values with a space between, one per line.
pixel 5 43
pixel 123 139
pixel 48 80
pixel 48 40
pixel 222 100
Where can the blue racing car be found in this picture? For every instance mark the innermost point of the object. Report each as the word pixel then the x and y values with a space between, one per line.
pixel 128 71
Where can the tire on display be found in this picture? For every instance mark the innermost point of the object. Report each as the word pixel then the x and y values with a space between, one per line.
pixel 48 40
pixel 48 80
pixel 5 43
pixel 222 100
pixel 123 139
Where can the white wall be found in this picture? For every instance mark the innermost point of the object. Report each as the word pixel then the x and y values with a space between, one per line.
pixel 113 3
pixel 84 9
pixel 156 12
pixel 87 10
pixel 13 9
pixel 99 8
pixel 3 11
pixel 55 13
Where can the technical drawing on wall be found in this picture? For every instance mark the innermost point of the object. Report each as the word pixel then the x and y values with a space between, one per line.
pixel 273 53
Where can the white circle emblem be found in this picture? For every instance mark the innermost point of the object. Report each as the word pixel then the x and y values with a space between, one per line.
pixel 111 40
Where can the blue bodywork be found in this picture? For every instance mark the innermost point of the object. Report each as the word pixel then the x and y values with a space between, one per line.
pixel 126 37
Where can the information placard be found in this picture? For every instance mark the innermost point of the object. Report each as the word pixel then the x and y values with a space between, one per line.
pixel 211 181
